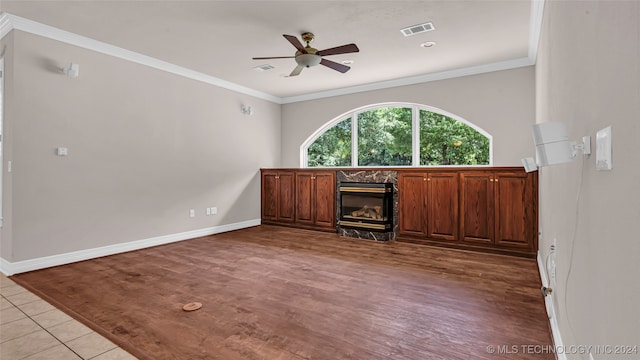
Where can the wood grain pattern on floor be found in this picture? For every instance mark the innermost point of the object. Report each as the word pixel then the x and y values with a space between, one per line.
pixel 270 292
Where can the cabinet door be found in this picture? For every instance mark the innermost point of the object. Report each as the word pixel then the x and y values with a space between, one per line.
pixel 515 209
pixel 442 206
pixel 270 196
pixel 286 193
pixel 411 204
pixel 477 214
pixel 325 199
pixel 304 198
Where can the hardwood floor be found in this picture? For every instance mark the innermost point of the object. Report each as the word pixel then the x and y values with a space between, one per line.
pixel 271 292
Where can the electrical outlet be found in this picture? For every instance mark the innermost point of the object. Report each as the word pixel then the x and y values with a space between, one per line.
pixel 553 249
pixel 208 211
pixel 192 213
pixel 214 211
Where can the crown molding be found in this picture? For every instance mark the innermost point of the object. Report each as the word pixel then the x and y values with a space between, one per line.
pixel 10 22
pixel 5 24
pixel 473 70
pixel 535 27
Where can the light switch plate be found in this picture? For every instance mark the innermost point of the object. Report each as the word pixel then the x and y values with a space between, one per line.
pixel 62 151
pixel 603 149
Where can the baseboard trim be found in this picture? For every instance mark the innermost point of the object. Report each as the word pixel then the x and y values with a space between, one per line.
pixel 12 268
pixel 551 311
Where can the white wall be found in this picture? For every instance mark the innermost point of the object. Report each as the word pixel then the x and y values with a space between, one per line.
pixel 145 146
pixel 501 103
pixel 588 76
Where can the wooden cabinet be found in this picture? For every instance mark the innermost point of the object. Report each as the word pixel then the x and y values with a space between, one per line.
pixel 515 210
pixel 442 206
pixel 315 199
pixel 495 210
pixel 489 209
pixel 278 191
pixel 428 205
pixel 476 202
pixel 412 210
pixel 302 198
pixel 499 209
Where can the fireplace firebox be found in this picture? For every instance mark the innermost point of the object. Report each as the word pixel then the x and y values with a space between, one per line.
pixel 367 206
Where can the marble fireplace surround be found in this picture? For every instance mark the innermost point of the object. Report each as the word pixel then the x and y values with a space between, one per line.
pixel 368 176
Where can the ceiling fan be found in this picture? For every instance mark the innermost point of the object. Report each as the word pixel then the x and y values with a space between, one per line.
pixel 306 56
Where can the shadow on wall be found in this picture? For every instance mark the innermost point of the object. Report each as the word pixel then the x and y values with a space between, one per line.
pixel 49 65
pixel 246 206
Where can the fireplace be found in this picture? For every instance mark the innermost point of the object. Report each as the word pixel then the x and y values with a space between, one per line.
pixel 366 206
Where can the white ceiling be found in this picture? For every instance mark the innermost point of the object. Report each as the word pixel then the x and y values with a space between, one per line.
pixel 219 38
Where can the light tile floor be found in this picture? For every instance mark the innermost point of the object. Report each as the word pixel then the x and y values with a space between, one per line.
pixel 32 329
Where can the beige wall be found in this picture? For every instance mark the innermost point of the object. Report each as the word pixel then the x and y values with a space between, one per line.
pixel 144 146
pixel 501 103
pixel 588 76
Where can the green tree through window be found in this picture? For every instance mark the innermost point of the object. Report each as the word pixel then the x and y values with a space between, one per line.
pixel 384 138
pixel 446 141
pixel 333 147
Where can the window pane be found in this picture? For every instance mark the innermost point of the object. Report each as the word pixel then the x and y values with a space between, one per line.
pixel 384 137
pixel 446 141
pixel 333 148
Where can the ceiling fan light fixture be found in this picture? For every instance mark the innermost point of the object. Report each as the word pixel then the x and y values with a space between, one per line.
pixel 308 60
pixel 306 56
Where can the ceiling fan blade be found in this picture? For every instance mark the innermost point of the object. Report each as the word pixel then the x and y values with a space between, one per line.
pixel 344 49
pixel 295 42
pixel 335 66
pixel 297 70
pixel 273 57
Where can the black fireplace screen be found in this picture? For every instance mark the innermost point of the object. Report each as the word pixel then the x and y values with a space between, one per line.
pixel 366 206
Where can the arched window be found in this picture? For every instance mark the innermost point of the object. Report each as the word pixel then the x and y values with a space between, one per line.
pixel 397 135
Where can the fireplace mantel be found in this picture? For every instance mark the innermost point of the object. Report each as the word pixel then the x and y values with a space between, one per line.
pixel 369 177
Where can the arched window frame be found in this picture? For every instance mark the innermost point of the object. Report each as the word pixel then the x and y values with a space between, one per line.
pixel 415 132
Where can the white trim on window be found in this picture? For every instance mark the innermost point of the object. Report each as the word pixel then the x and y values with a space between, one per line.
pixel 415 132
pixel 354 139
pixel 415 135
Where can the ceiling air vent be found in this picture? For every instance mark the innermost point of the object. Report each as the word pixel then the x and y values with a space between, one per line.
pixel 417 29
pixel 264 67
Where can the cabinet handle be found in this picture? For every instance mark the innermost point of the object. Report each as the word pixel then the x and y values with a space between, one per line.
pixel 425 179
pixel 491 179
pixel 428 179
pixel 277 177
pixel 496 180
